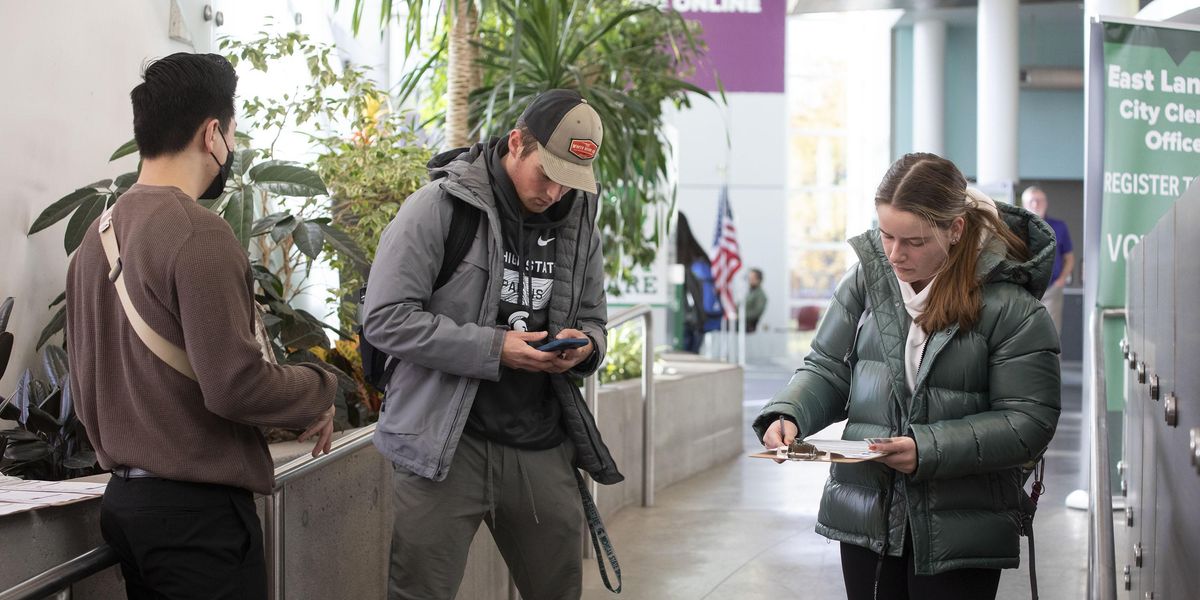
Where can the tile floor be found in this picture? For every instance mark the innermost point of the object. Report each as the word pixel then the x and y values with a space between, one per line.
pixel 744 530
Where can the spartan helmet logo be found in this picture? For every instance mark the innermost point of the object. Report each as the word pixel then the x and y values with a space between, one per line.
pixel 517 321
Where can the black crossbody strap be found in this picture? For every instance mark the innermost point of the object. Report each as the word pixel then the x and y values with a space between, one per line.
pixel 599 535
pixel 1039 472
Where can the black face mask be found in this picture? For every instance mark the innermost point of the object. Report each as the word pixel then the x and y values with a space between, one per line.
pixel 218 183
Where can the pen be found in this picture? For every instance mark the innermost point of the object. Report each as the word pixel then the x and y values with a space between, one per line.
pixel 782 439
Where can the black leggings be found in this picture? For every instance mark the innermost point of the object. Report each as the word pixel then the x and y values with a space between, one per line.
pixel 897 581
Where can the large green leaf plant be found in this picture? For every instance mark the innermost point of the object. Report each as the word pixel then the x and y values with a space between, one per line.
pixel 249 184
pixel 48 441
pixel 370 171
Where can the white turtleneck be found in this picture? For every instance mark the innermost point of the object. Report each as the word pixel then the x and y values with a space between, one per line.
pixel 914 347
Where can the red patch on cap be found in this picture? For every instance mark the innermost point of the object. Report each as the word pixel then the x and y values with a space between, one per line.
pixel 584 149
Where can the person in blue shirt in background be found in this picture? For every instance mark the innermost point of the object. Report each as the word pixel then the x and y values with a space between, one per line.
pixel 1034 199
pixel 702 312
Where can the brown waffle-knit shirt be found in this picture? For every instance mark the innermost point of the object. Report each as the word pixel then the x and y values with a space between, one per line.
pixel 190 279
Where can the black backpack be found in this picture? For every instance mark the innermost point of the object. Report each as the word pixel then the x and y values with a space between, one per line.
pixel 377 365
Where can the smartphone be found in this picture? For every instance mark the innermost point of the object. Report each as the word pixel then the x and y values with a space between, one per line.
pixel 563 344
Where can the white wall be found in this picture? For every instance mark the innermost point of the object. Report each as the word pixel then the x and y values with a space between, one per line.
pixel 68 70
pixel 754 164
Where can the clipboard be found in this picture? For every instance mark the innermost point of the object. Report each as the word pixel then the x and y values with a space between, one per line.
pixel 831 451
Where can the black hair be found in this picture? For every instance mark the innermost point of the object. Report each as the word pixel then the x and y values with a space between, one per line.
pixel 177 95
pixel 758 272
pixel 687 249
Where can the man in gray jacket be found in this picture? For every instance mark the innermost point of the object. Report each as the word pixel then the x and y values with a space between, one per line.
pixel 480 424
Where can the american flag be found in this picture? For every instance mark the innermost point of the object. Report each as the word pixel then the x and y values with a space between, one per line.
pixel 727 258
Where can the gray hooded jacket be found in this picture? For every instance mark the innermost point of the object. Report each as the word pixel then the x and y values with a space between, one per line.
pixel 447 341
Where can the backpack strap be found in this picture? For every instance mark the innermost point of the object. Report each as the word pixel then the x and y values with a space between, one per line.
pixel 463 225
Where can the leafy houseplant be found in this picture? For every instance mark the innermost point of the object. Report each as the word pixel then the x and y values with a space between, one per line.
pixel 284 243
pixel 6 338
pixel 250 186
pixel 49 442
pixel 370 175
pixel 624 359
pixel 371 171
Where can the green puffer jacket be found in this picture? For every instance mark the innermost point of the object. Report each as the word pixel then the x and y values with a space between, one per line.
pixel 985 402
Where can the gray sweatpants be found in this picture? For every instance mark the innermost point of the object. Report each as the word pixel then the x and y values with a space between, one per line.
pixel 530 502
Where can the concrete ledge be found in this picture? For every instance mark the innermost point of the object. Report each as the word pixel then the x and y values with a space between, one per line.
pixel 338 521
pixel 698 420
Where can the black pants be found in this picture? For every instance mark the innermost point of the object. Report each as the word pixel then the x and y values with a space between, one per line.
pixel 179 540
pixel 897 581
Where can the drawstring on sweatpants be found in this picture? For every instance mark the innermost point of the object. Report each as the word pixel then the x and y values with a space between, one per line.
pixel 490 492
pixel 528 487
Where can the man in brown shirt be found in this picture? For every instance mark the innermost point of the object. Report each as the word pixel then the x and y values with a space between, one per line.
pixel 184 447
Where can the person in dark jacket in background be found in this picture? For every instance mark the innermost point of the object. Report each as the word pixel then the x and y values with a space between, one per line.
pixel 936 341
pixel 702 311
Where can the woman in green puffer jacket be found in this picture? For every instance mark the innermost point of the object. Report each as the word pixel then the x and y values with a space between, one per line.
pixel 936 340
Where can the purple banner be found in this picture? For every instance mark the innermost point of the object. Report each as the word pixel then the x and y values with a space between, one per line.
pixel 746 42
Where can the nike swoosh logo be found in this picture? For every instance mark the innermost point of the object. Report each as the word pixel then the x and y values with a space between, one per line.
pixel 542 242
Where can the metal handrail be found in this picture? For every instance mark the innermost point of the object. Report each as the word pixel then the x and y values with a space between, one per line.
pixel 341 448
pixel 1102 564
pixel 273 508
pixel 646 313
pixel 57 578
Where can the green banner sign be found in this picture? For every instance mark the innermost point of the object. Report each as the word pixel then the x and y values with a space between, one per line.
pixel 1151 138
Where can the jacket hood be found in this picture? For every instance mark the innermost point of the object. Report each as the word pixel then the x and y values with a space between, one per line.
pixel 1032 274
pixel 456 165
pixel 993 267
